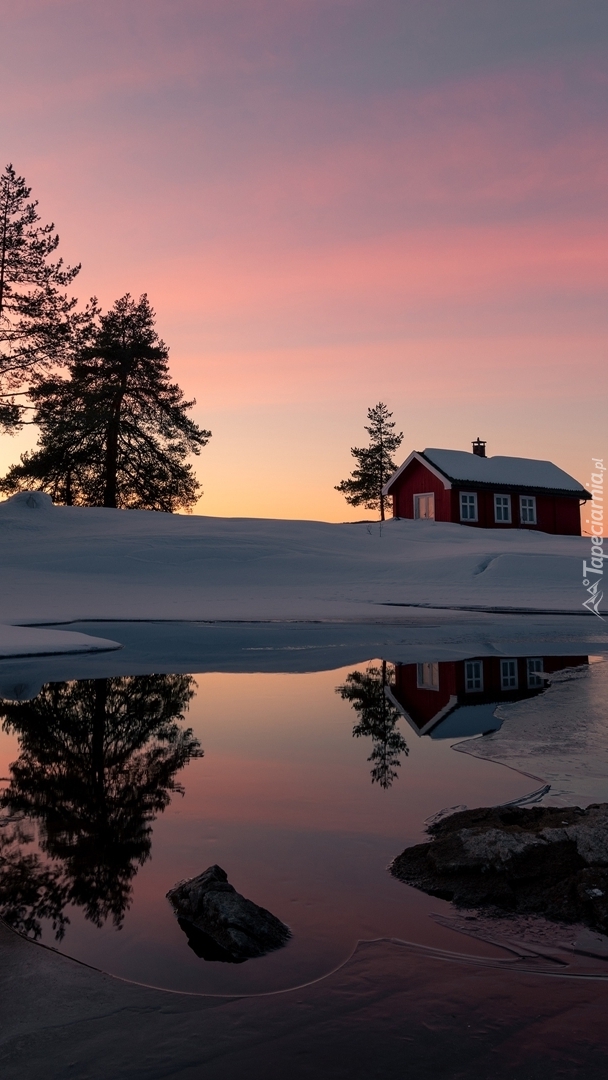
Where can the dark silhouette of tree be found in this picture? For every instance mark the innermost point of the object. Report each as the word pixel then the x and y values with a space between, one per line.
pixel 375 463
pixel 378 719
pixel 37 318
pixel 98 761
pixel 30 890
pixel 116 432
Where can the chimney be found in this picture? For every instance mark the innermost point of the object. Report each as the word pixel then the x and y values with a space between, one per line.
pixel 479 448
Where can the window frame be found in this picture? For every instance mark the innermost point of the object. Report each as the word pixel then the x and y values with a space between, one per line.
pixel 505 680
pixel 423 495
pixel 503 521
pixel 420 681
pixel 472 678
pixel 469 494
pixel 525 520
pixel 534 676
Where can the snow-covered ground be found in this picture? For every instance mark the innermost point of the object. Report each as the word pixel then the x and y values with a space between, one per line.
pixel 560 736
pixel 18 641
pixel 71 563
pixel 61 564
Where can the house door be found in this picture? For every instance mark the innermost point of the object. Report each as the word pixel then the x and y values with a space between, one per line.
pixel 424 506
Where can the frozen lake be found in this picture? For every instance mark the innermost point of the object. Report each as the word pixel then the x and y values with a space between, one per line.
pixel 302 783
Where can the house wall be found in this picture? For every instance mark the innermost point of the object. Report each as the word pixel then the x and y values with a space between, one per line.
pixel 492 679
pixel 422 703
pixel 558 663
pixel 554 513
pixel 418 480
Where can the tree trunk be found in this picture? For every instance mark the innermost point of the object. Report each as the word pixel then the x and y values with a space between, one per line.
pixel 3 254
pixel 381 478
pixel 98 740
pixel 113 431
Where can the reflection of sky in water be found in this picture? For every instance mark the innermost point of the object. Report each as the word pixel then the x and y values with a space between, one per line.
pixel 282 799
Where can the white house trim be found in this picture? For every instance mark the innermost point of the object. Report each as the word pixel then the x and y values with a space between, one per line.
pixel 430 724
pixel 416 456
pixel 474 505
pixel 528 509
pixel 423 495
pixel 499 495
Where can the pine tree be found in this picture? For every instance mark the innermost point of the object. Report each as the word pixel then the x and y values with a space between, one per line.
pixel 378 719
pixel 116 432
pixel 98 760
pixel 37 318
pixel 375 464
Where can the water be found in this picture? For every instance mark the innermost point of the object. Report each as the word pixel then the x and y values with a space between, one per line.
pixel 562 734
pixel 115 788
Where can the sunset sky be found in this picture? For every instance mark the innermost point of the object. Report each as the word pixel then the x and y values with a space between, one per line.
pixel 331 203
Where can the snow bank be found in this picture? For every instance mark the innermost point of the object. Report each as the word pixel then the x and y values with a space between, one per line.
pixel 27 641
pixel 68 563
pixel 561 736
pixel 31 500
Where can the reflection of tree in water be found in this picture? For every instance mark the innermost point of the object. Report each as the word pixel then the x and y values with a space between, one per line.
pixel 97 764
pixel 29 889
pixel 378 719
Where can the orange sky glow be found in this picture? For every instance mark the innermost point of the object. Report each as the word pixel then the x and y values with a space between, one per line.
pixel 331 203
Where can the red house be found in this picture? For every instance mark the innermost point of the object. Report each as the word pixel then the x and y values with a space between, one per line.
pixel 491 493
pixel 458 698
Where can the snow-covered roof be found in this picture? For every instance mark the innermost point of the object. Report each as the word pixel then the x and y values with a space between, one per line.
pixel 453 720
pixel 459 466
pixel 467 720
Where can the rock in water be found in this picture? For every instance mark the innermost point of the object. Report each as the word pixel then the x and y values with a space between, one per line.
pixel 212 906
pixel 542 860
pixel 205 947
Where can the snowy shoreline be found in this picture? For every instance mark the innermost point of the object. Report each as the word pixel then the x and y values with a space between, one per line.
pixel 18 642
pixel 64 564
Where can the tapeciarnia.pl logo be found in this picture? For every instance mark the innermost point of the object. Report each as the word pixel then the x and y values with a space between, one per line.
pixel 593 571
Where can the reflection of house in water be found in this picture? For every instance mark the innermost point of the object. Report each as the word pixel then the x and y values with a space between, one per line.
pixel 456 698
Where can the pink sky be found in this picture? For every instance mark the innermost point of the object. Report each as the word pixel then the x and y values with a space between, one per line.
pixel 329 203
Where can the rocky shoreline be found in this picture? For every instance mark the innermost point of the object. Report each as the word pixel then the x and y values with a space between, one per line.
pixel 551 861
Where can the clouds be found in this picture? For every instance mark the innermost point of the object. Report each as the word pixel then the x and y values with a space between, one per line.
pixel 295 184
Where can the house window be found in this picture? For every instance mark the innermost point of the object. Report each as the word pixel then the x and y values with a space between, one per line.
pixel 535 673
pixel 427 676
pixel 527 509
pixel 424 506
pixel 502 508
pixel 508 674
pixel 473 676
pixel 468 506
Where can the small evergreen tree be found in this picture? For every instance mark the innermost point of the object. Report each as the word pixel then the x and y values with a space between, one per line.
pixel 37 318
pixel 378 719
pixel 115 433
pixel 375 463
